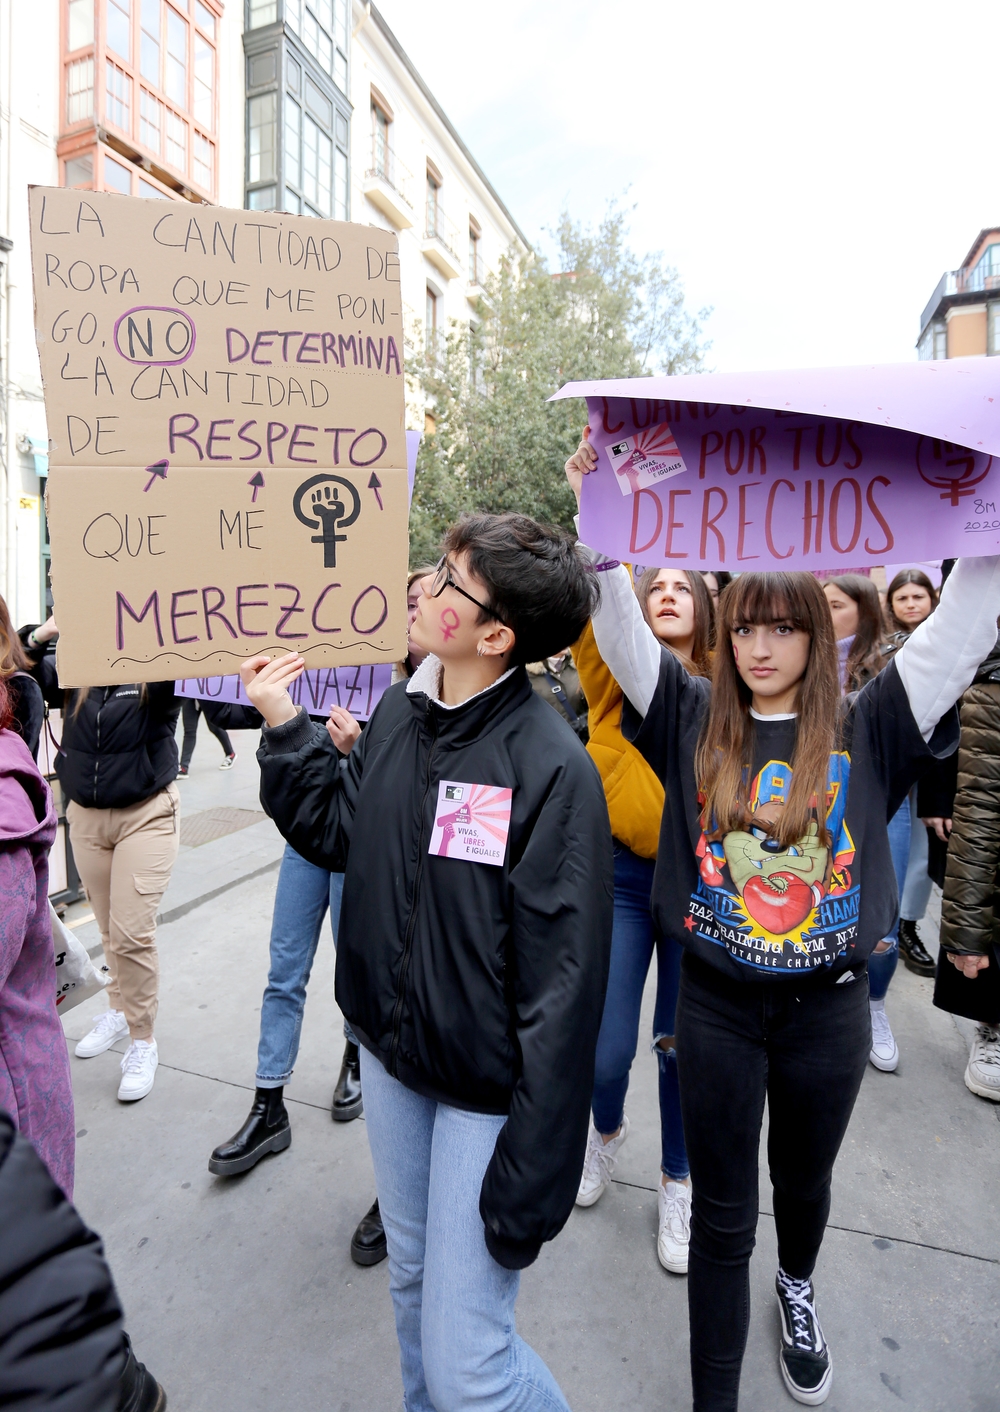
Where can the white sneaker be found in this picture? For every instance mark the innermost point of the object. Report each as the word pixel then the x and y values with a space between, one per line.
pixel 599 1164
pixel 108 1028
pixel 982 1075
pixel 228 761
pixel 138 1070
pixel 884 1054
pixel 674 1237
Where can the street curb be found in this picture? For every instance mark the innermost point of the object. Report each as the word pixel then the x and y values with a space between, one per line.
pixel 176 913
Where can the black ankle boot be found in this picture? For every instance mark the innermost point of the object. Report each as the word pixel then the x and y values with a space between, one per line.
pixel 368 1242
pixel 347 1103
pixel 266 1129
pixel 916 957
pixel 138 1390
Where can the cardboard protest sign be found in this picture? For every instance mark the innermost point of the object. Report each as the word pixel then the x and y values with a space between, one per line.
pixel 356 689
pixel 805 470
pixel 228 468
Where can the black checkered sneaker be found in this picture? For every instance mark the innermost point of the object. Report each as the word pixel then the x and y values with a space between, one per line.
pixel 804 1359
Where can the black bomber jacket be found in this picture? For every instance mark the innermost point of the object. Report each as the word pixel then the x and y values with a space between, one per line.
pixel 479 986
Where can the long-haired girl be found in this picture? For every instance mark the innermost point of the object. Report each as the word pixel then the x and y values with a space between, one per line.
pixel 772 872
pixel 857 626
pixel 679 612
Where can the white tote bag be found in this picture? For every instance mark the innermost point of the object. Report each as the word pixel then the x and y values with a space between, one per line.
pixel 77 978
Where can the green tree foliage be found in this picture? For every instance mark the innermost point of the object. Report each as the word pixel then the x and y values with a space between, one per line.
pixel 498 443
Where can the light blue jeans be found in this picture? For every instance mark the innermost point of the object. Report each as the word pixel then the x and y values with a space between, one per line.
pixel 305 894
pixel 454 1304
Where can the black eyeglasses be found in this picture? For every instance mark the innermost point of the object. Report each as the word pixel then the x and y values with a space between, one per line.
pixel 443 580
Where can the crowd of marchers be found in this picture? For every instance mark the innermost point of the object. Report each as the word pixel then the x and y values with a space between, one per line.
pixel 757 779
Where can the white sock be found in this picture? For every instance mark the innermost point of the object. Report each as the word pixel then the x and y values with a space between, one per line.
pixel 876 1004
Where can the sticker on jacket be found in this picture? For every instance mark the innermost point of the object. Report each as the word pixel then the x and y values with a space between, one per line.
pixel 645 459
pixel 472 822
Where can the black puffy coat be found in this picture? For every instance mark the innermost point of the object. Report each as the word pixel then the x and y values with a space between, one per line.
pixel 478 986
pixel 61 1342
pixel 970 906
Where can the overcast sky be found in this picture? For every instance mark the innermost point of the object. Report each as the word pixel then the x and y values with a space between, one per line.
pixel 811 170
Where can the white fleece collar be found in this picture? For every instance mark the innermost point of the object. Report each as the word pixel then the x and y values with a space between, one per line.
pixel 427 678
pixel 780 716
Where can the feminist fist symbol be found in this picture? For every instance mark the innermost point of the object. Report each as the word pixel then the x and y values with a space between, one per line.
pixel 449 622
pixel 935 458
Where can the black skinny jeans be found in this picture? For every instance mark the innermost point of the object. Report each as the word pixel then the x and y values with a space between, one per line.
pixel 805 1046
pixel 191 710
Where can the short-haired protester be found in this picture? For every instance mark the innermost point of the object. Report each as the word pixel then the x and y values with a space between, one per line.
pixel 773 871
pixel 679 610
pixel 473 946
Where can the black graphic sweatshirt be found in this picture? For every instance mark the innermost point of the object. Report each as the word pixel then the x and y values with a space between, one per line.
pixel 744 904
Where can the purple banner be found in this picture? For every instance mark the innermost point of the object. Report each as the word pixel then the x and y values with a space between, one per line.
pixel 357 689
pixel 717 486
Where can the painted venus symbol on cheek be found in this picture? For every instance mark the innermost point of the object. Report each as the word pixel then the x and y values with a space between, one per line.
pixel 450 621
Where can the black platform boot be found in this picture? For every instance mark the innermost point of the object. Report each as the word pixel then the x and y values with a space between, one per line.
pixel 916 957
pixel 347 1102
pixel 266 1129
pixel 368 1245
pixel 138 1390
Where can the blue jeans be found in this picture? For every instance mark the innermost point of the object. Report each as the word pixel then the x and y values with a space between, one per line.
pixel 915 889
pixel 882 964
pixel 454 1304
pixel 633 939
pixel 305 894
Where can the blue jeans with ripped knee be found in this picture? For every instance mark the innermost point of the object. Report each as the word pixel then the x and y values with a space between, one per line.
pixel 633 940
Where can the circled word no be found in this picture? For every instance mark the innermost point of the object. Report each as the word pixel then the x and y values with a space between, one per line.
pixel 155 335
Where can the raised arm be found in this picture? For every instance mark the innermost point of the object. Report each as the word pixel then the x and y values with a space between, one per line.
pixel 939 661
pixel 624 639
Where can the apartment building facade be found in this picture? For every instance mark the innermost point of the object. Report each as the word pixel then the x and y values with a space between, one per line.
pixel 306 106
pixel 962 317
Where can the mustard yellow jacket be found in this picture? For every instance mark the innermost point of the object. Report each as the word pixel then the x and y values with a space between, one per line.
pixel 634 794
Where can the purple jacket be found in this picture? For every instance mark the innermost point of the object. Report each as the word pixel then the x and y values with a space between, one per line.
pixel 35 1086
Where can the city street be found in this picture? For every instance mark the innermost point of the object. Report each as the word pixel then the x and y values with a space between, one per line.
pixel 241 1295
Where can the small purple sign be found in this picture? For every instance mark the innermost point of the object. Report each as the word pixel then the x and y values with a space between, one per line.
pixel 356 689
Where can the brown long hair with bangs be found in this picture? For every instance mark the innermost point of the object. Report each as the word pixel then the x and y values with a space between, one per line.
pixel 725 749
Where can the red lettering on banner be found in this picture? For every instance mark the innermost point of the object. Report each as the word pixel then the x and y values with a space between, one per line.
pixel 744 523
pixel 798 433
pixel 821 444
pixel 809 519
pixel 767 520
pixel 673 524
pixel 849 437
pixel 734 437
pixel 757 449
pixel 870 497
pixel 707 450
pixel 611 431
pixel 637 548
pixel 835 506
pixel 710 521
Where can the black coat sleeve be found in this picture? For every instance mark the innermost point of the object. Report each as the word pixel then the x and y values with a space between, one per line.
pixel 42 666
pixel 563 896
pixel 28 706
pixel 232 715
pixel 309 790
pixel 61 1341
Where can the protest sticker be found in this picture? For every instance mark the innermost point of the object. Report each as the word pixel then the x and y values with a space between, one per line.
pixel 471 822
pixel 194 575
pixel 224 398
pixel 808 470
pixel 645 458
pixel 356 689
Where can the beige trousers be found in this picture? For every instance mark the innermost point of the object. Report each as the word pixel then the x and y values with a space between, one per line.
pixel 125 857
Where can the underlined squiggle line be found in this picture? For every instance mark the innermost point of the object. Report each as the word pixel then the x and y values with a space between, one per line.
pixel 242 656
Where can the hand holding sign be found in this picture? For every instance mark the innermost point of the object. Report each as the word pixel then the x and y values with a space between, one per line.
pixel 266 684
